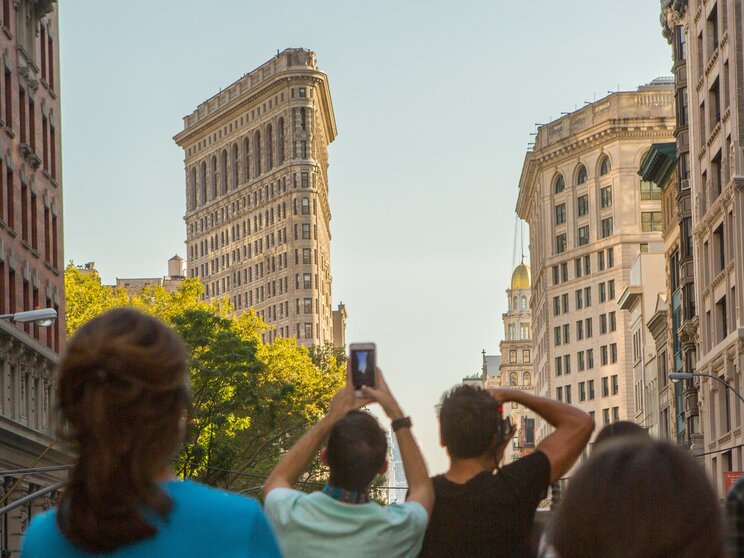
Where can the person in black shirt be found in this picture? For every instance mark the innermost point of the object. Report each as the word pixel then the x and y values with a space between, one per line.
pixel 479 513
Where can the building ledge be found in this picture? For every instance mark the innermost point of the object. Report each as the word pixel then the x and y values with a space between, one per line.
pixel 628 296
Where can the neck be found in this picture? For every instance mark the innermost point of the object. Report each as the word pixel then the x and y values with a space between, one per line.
pixel 165 475
pixel 346 496
pixel 462 470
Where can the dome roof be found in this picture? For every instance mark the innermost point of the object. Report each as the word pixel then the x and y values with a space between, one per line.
pixel 521 277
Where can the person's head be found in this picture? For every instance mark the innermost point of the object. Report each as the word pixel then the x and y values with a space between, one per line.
pixel 470 423
pixel 621 429
pixel 356 451
pixel 123 399
pixel 639 498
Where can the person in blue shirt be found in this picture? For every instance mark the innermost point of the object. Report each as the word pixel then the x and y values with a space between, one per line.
pixel 124 398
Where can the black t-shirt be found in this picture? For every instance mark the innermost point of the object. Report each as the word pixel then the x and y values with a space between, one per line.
pixel 490 515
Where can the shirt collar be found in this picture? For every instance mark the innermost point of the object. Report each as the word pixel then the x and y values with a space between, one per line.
pixel 346 496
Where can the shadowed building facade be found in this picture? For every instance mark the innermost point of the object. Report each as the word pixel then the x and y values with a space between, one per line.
pixel 257 212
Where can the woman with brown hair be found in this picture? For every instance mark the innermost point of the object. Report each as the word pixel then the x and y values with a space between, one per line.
pixel 123 399
pixel 638 498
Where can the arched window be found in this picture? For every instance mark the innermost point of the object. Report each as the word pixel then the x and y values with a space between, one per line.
pixel 303 119
pixel 203 182
pixel 192 191
pixel 559 184
pixel 257 153
pixel 581 175
pixel 246 164
pixel 224 171
pixel 527 379
pixel 214 176
pixel 604 166
pixel 523 303
pixel 513 379
pixel 305 206
pixel 269 147
pixel 280 140
pixel 235 166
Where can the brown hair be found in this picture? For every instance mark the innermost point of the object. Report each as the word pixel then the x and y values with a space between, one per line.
pixel 637 498
pixel 122 393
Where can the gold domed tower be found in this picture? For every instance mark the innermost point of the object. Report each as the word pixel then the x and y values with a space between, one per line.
pixel 516 359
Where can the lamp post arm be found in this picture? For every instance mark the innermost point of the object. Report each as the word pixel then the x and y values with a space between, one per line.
pixel 728 387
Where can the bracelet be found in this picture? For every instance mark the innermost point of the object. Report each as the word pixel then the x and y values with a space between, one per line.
pixel 403 422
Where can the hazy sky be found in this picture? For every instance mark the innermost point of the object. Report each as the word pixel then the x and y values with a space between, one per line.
pixel 434 102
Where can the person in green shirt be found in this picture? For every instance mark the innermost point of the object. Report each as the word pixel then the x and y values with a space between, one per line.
pixel 341 520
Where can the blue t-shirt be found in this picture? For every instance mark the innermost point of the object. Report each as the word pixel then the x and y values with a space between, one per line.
pixel 203 522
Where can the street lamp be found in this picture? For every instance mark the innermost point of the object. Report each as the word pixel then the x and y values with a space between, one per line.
pixel 42 318
pixel 676 376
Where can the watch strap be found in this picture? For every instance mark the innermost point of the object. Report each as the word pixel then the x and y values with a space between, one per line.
pixel 403 422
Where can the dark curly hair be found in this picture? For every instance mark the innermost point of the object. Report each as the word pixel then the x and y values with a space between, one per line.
pixel 470 422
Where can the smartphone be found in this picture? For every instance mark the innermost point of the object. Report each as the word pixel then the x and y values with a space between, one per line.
pixel 363 357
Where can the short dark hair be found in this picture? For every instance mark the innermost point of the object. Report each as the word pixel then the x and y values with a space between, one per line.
pixel 356 451
pixel 610 499
pixel 469 420
pixel 620 429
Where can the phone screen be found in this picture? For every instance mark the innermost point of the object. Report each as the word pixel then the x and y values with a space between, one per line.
pixel 363 368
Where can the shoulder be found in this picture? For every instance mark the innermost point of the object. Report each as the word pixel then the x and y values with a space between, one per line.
pixel 209 501
pixel 42 533
pixel 280 504
pixel 536 464
pixel 407 512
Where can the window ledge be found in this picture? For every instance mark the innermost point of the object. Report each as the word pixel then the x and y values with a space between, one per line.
pixel 11 133
pixel 714 134
pixel 12 232
pixel 7 32
pixel 712 61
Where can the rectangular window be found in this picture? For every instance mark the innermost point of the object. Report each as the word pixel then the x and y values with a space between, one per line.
pixel 560 243
pixel 566 333
pixel 583 205
pixel 615 414
pixel 588 327
pixel 307 281
pixel 651 221
pixel 564 302
pixel 579 299
pixel 557 335
pixel 602 324
pixel 577 268
pixel 587 296
pixel 605 197
pixel 611 289
pixel 558 366
pixel 581 363
pixel 579 330
pixel 559 394
pixel 582 391
pixel 306 231
pixel 587 265
pixel 306 256
pixel 650 191
pixel 614 384
pixel 602 292
pixel 308 331
pixel 526 355
pixel 564 271
pixel 584 235
pixel 560 214
pixel 603 355
pixel 605 387
pixel 605 416
pixel 589 359
pixel 568 395
pixel 556 306
pixel 590 389
pixel 610 257
pixel 601 260
pixel 512 356
pixel 606 227
pixel 613 321
pixel 613 353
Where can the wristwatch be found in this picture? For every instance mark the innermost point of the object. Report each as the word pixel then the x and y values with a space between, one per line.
pixel 403 422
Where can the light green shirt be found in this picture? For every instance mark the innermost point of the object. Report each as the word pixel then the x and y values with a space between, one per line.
pixel 310 525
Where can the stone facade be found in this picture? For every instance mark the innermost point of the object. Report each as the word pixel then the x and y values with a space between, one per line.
pixel 31 255
pixel 257 212
pixel 590 215
pixel 516 361
pixel 171 282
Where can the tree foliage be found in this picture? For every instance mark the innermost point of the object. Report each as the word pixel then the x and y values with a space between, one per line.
pixel 251 400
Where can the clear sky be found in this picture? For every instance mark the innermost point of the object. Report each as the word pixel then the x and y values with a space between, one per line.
pixel 434 102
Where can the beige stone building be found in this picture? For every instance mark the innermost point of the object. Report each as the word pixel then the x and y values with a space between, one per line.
pixel 708 36
pixel 170 282
pixel 590 216
pixel 516 361
pixel 257 212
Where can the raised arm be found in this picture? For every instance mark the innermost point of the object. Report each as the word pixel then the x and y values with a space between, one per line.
pixel 573 428
pixel 420 488
pixel 302 453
